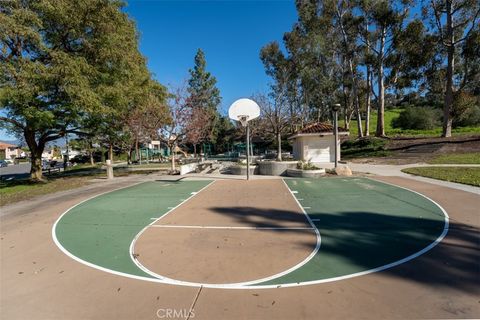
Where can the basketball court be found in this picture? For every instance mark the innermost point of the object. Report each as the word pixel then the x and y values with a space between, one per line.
pixel 261 233
pixel 240 249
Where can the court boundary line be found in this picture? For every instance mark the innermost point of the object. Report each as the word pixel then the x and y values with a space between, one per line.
pixel 381 268
pixel 272 286
pixel 87 263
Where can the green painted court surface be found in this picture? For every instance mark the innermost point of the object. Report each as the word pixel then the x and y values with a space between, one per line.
pixel 100 230
pixel 364 225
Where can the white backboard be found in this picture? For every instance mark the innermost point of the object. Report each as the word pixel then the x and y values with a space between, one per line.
pixel 244 110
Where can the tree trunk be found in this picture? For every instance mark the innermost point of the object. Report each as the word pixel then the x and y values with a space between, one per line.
pixel 279 147
pixel 36 150
pixel 356 99
pixel 251 145
pixel 448 107
pixel 381 105
pixel 110 153
pixel 369 88
pixel 129 155
pixel 352 74
pixel 137 152
pixel 90 153
pixel 172 154
pixel 36 168
pixel 381 91
pixel 194 150
pixel 367 117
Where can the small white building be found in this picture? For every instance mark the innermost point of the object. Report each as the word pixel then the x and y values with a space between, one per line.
pixel 316 143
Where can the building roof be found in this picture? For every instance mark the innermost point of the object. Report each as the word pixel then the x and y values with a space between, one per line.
pixel 322 128
pixel 4 145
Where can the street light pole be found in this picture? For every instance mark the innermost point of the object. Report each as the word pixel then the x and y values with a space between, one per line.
pixel 335 109
pixel 248 151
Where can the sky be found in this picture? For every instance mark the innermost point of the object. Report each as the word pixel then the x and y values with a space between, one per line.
pixel 231 33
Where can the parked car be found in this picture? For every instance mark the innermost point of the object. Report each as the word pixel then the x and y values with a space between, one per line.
pixel 80 158
pixel 3 164
pixel 46 165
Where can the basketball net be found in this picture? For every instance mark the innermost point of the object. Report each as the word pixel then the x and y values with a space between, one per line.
pixel 243 120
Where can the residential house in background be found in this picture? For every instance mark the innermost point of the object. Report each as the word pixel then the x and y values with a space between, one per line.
pixel 9 151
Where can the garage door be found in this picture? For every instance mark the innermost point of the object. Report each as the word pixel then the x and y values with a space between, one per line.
pixel 319 149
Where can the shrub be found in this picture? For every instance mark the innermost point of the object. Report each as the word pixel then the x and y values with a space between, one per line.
pixel 470 118
pixel 306 165
pixel 417 118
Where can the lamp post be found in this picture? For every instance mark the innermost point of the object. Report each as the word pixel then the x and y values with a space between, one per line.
pixel 335 109
pixel 248 151
pixel 67 156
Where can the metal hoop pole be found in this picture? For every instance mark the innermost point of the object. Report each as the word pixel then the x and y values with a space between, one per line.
pixel 248 151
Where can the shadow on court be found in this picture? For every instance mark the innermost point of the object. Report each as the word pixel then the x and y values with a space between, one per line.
pixel 358 241
pixel 264 218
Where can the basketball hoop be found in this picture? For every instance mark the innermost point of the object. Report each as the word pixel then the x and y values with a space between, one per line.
pixel 244 110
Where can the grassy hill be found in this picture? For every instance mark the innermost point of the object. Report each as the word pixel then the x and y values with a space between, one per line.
pixel 391 114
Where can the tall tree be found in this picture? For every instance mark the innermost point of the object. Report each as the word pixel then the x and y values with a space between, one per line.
pixel 147 115
pixel 311 50
pixel 62 60
pixel 348 26
pixel 196 131
pixel 204 94
pixel 454 20
pixel 175 130
pixel 386 18
pixel 274 115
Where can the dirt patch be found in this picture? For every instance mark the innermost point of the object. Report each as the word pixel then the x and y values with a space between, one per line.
pixel 418 150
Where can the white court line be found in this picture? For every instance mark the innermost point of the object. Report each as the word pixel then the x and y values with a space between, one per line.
pixel 307 207
pixel 243 286
pixel 230 228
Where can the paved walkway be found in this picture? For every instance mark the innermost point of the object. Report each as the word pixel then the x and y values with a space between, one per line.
pixel 396 170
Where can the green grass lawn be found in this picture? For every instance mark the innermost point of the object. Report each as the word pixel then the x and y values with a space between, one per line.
pixel 465 175
pixel 75 177
pixel 14 191
pixel 457 158
pixel 151 165
pixel 391 114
